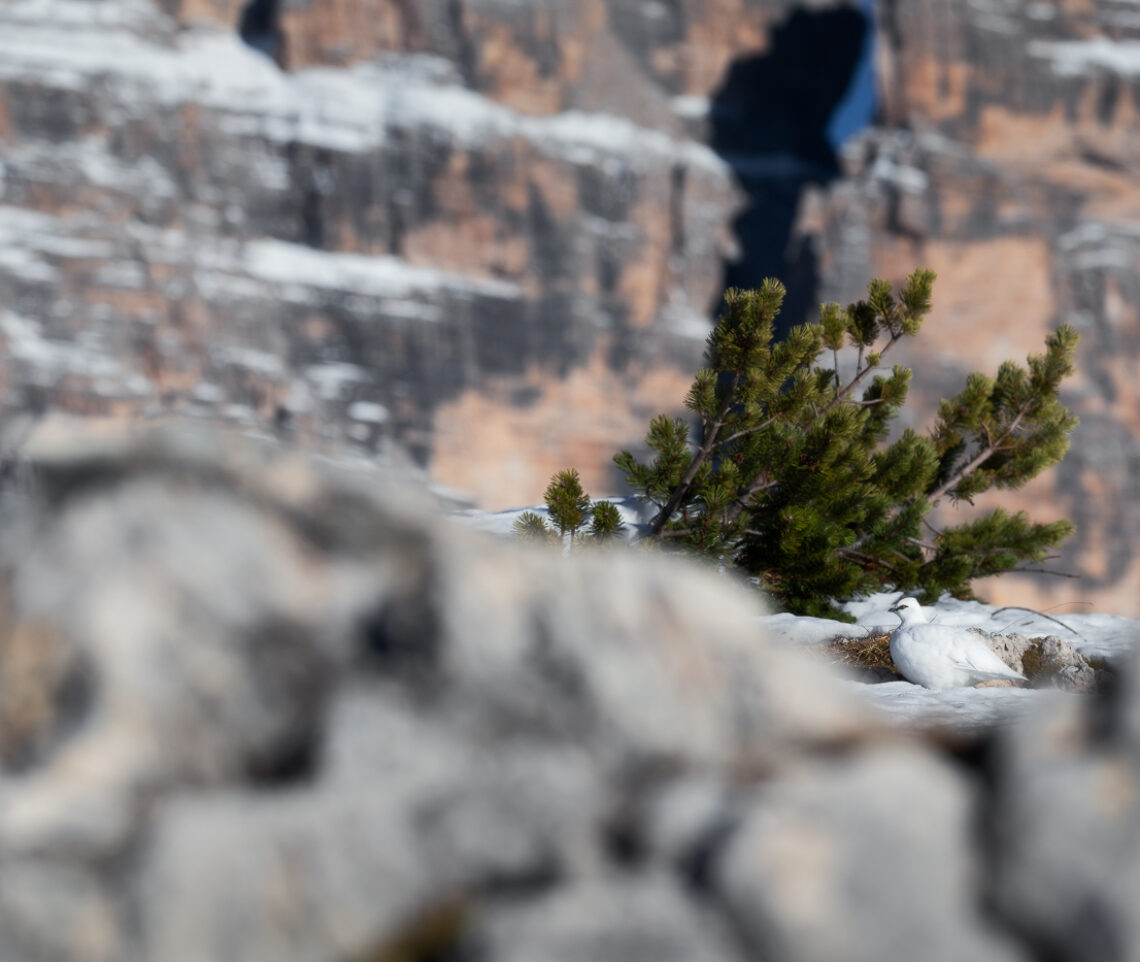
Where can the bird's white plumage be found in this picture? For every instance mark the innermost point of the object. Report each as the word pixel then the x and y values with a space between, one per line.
pixel 942 656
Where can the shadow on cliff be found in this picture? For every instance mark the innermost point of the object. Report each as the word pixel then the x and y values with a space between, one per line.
pixel 769 121
pixel 259 26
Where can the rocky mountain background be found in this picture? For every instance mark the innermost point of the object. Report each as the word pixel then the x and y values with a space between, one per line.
pixel 486 238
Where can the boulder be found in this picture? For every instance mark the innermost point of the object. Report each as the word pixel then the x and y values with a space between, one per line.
pixel 862 859
pixel 249 709
pixel 256 707
pixel 1066 825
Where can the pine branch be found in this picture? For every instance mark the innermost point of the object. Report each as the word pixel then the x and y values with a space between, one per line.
pixel 929 549
pixel 745 432
pixel 741 503
pixel 1045 571
pixel 703 454
pixel 861 374
pixel 979 459
pixel 870 559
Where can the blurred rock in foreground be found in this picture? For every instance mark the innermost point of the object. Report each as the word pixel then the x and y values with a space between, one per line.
pixel 249 710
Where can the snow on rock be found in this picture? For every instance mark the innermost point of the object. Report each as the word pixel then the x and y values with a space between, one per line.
pixel 349 110
pixel 368 412
pixel 299 268
pixel 1077 57
pixel 501 523
pixel 962 710
pixel 1094 635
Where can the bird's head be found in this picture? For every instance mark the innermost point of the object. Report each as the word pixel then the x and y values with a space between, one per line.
pixel 908 610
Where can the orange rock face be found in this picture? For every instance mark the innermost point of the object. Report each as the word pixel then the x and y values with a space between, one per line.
pixel 556 423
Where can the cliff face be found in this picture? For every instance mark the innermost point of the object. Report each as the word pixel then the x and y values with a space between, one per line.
pixel 476 229
pixel 489 234
pixel 1008 165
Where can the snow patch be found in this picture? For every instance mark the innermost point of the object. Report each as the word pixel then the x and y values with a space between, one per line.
pixel 501 523
pixel 1079 57
pixel 261 362
pixel 958 709
pixel 910 179
pixel 1094 635
pixel 368 412
pixel 43 361
pixel 690 107
pixel 331 380
pixel 350 110
pixel 294 265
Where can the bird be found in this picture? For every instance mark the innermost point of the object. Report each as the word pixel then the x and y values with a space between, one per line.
pixel 942 656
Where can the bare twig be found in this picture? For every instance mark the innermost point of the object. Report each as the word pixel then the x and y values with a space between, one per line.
pixel 1040 614
pixel 1043 571
pixel 860 374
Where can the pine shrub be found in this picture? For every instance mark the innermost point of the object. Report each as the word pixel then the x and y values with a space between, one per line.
pixel 792 478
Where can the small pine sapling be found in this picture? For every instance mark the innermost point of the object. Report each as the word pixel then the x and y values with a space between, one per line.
pixel 570 510
pixel 606 523
pixel 531 526
pixel 568 503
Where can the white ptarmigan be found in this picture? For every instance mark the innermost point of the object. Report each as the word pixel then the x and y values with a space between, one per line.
pixel 942 656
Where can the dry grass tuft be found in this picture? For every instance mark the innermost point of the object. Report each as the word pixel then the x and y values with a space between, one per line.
pixel 865 653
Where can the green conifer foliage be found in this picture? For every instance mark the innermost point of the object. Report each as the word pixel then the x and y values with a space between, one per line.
pixel 793 479
pixel 568 504
pixel 570 511
pixel 531 526
pixel 606 523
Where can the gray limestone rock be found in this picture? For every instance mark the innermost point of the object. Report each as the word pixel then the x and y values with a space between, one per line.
pixel 1067 826
pixel 255 710
pixel 869 858
pixel 1048 662
pixel 609 920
